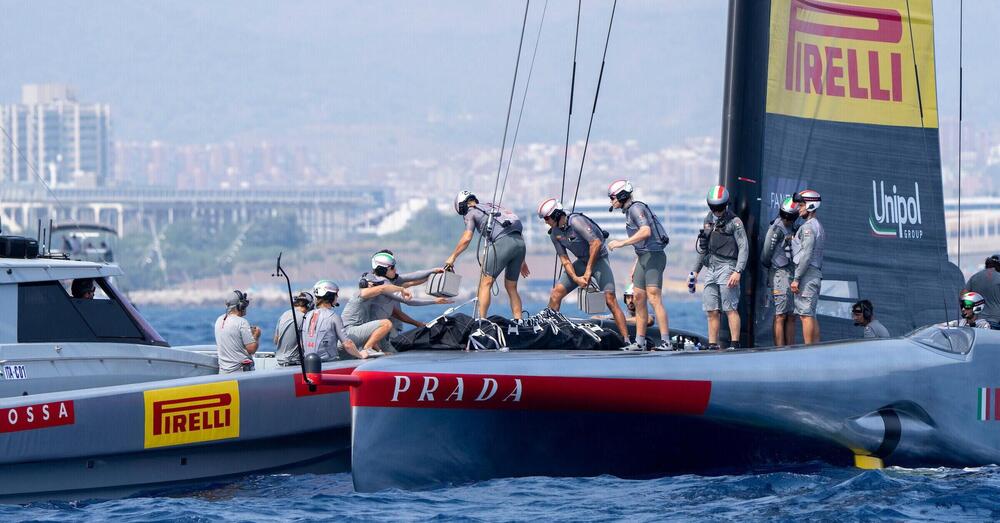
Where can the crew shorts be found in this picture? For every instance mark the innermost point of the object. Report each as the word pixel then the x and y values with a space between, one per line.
pixel 359 334
pixel 781 281
pixel 600 274
pixel 505 255
pixel 717 295
pixel 808 296
pixel 649 270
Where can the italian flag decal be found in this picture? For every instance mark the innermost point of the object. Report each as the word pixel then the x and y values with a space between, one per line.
pixel 882 232
pixel 987 403
pixel 715 193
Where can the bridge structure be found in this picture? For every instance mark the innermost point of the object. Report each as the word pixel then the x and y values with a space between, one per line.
pixel 323 213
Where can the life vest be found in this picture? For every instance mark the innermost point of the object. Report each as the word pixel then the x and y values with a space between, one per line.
pixel 721 243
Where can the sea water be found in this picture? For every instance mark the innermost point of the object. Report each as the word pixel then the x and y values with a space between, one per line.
pixel 811 491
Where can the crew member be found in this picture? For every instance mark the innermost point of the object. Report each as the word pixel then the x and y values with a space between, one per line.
pixel 367 314
pixel 384 268
pixel 581 236
pixel 83 288
pixel 235 340
pixel 973 304
pixel 648 237
pixel 864 316
pixel 807 255
pixel 323 330
pixel 285 339
pixel 987 283
pixel 503 251
pixel 776 257
pixel 723 248
pixel 629 298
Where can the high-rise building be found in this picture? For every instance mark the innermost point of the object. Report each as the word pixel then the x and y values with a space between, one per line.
pixel 66 141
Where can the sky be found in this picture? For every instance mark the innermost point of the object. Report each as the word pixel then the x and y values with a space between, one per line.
pixel 395 78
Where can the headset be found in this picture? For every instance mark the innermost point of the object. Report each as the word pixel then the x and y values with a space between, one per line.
pixel 365 282
pixel 243 301
pixel 866 309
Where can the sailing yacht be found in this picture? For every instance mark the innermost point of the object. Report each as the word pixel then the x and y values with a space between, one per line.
pixel 837 96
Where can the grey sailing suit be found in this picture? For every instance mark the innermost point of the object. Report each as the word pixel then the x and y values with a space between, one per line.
pixel 875 329
pixel 363 316
pixel 232 335
pixel 777 256
pixel 807 255
pixel 504 249
pixel 322 331
pixel 575 238
pixel 651 259
pixel 286 350
pixel 727 253
pixel 987 283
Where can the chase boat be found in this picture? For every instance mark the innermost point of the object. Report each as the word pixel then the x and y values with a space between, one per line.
pixel 95 404
pixel 836 96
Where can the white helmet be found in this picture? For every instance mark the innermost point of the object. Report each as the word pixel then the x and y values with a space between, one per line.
pixel 549 207
pixel 462 202
pixel 325 290
pixel 718 198
pixel 620 190
pixel 382 261
pixel 809 198
pixel 629 290
pixel 974 301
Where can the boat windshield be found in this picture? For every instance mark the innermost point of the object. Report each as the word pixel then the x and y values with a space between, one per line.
pixel 957 340
pixel 92 311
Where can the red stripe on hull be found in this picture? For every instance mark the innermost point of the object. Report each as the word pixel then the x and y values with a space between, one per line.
pixel 546 393
pixel 301 389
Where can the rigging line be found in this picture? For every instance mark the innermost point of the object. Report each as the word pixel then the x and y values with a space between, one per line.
pixel 510 101
pixel 503 146
pixel 556 268
pixel 572 91
pixel 593 109
pixel 524 97
pixel 913 53
pixel 961 26
pixel 34 171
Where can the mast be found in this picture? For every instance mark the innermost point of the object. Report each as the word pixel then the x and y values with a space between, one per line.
pixel 742 135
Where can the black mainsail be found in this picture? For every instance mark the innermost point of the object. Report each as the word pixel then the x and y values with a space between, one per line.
pixel 840 96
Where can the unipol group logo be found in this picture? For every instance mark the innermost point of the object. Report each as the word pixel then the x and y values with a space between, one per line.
pixel 192 414
pixel 895 215
pixel 858 61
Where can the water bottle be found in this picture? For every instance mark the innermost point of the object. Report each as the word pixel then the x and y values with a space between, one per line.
pixel 691 282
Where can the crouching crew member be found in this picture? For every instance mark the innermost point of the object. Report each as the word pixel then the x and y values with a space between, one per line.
pixel 581 236
pixel 384 267
pixel 864 316
pixel 285 340
pixel 973 304
pixel 367 314
pixel 235 340
pixel 776 256
pixel 503 250
pixel 723 250
pixel 323 330
pixel 648 237
pixel 807 255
